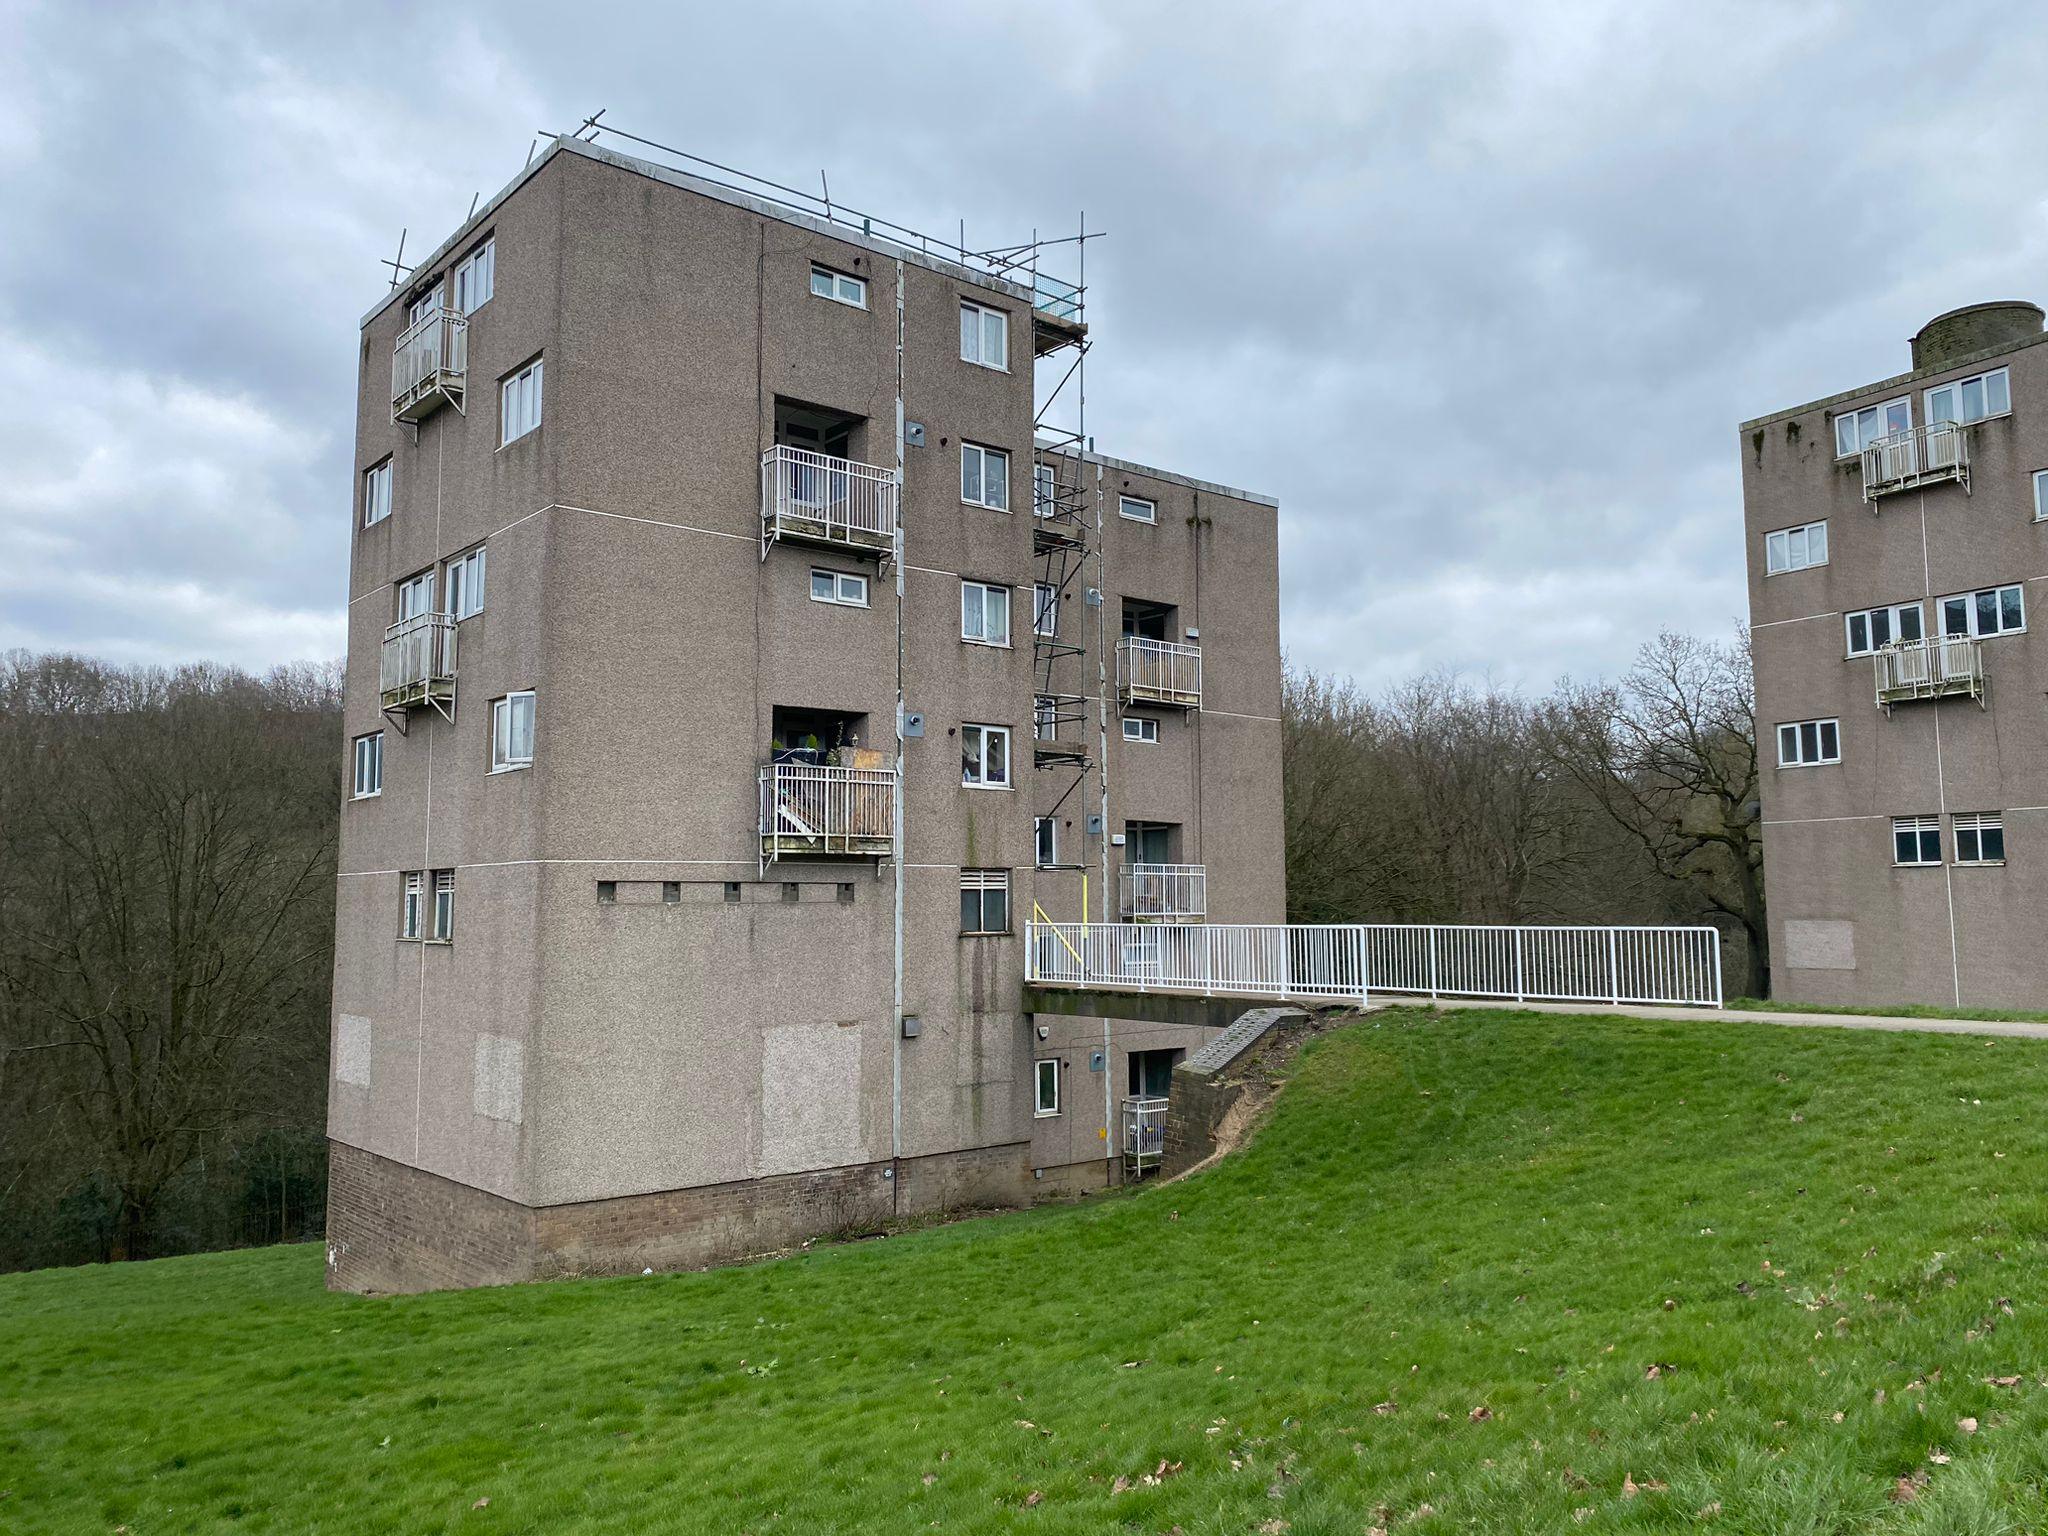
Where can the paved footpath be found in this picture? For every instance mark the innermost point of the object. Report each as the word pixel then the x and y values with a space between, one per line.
pixel 1753 1016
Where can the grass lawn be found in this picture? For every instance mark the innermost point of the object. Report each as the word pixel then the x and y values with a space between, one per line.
pixel 1482 1271
pixel 1899 1011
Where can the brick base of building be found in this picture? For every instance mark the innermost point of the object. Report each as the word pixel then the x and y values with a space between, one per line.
pixel 392 1227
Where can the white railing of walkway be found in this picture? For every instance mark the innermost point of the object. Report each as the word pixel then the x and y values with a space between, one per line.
pixel 1669 965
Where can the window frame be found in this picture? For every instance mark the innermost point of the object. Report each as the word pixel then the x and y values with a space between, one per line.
pixel 1882 411
pixel 1045 842
pixel 1975 824
pixel 1125 503
pixel 1147 733
pixel 987 589
pixel 983 314
pixel 835 279
pixel 377 486
pixel 533 370
pixel 1040 1077
pixel 412 905
pixel 1918 828
pixel 369 746
pixel 1969 600
pixel 838 580
pixel 983 454
pixel 987 733
pixel 482 258
pixel 427 582
pixel 2003 375
pixel 1045 490
pixel 2041 495
pixel 980 884
pixel 503 707
pixel 1805 531
pixel 441 907
pixel 1891 612
pixel 1045 609
pixel 460 576
pixel 1045 723
pixel 1822 728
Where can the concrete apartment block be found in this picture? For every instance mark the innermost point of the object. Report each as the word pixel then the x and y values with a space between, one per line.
pixel 584 1022
pixel 1900 669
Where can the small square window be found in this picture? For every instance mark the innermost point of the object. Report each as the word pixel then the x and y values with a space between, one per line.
pixel 984 901
pixel 732 891
pixel 842 588
pixel 841 287
pixel 1137 509
pixel 1980 839
pixel 607 892
pixel 985 756
pixel 846 893
pixel 985 477
pixel 1916 840
pixel 984 336
pixel 511 732
pixel 1140 728
pixel 791 891
pixel 672 893
pixel 984 613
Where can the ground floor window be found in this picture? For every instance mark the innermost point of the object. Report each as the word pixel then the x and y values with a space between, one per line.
pixel 1048 1072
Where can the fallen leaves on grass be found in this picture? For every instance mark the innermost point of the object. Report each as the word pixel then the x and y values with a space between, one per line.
pixel 1630 1487
pixel 1033 1499
pixel 1967 1426
pixel 483 1503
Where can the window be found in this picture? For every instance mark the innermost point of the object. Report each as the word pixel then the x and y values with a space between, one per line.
pixel 413 915
pixel 377 493
pixel 512 732
pixel 984 613
pixel 444 906
pixel 1137 509
pixel 519 408
pixel 476 277
pixel 984 901
pixel 1045 490
pixel 1980 839
pixel 1047 1074
pixel 1045 608
pixel 369 765
pixel 1972 399
pixel 1869 628
pixel 1992 611
pixel 1794 549
pixel 1857 430
pixel 2041 493
pixel 839 286
pixel 1916 840
pixel 985 756
pixel 1136 729
pixel 1045 838
pixel 416 596
pixel 985 477
pixel 984 336
pixel 1803 743
pixel 466 584
pixel 424 304
pixel 1045 718
pixel 841 587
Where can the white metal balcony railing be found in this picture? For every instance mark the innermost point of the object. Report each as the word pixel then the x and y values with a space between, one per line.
pixel 418 663
pixel 430 364
pixel 816 809
pixel 1940 666
pixel 1159 672
pixel 1349 962
pixel 1917 456
pixel 1163 892
pixel 820 499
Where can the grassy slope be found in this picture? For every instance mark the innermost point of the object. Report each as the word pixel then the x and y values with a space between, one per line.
pixel 1447 1211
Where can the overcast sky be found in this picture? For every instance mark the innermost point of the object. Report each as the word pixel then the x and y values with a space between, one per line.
pixel 1480 292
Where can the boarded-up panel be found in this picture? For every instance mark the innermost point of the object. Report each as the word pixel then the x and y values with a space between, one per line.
pixel 352 1050
pixel 500 1068
pixel 810 1097
pixel 1820 944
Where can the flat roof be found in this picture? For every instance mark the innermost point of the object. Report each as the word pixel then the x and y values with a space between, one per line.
pixel 1898 380
pixel 1214 487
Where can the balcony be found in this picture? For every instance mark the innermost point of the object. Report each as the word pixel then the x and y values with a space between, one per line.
pixel 429 365
pixel 418 664
pixel 1163 893
pixel 814 498
pixel 1158 672
pixel 818 810
pixel 1918 456
pixel 1944 666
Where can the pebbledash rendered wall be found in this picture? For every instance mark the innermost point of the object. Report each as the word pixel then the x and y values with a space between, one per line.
pixel 679 1077
pixel 1848 925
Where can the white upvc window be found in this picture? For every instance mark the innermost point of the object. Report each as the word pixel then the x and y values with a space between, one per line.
pixel 1138 509
pixel 985 756
pixel 1857 430
pixel 1045 490
pixel 512 732
pixel 425 304
pixel 1980 837
pixel 1984 613
pixel 845 588
pixel 1977 398
pixel 1916 840
pixel 444 906
pixel 1045 608
pixel 416 596
pixel 985 477
pixel 840 287
pixel 984 336
pixel 1869 628
pixel 369 764
pixel 377 493
pixel 1140 728
pixel 1794 549
pixel 466 584
pixel 1046 1074
pixel 1803 743
pixel 412 912
pixel 519 407
pixel 984 613
pixel 476 277
pixel 1045 718
pixel 2040 494
pixel 1045 840
pixel 984 901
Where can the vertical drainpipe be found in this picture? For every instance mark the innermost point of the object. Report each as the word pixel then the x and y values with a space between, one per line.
pixel 1104 638
pixel 896 796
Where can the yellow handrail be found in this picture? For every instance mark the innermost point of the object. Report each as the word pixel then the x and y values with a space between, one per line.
pixel 1039 912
